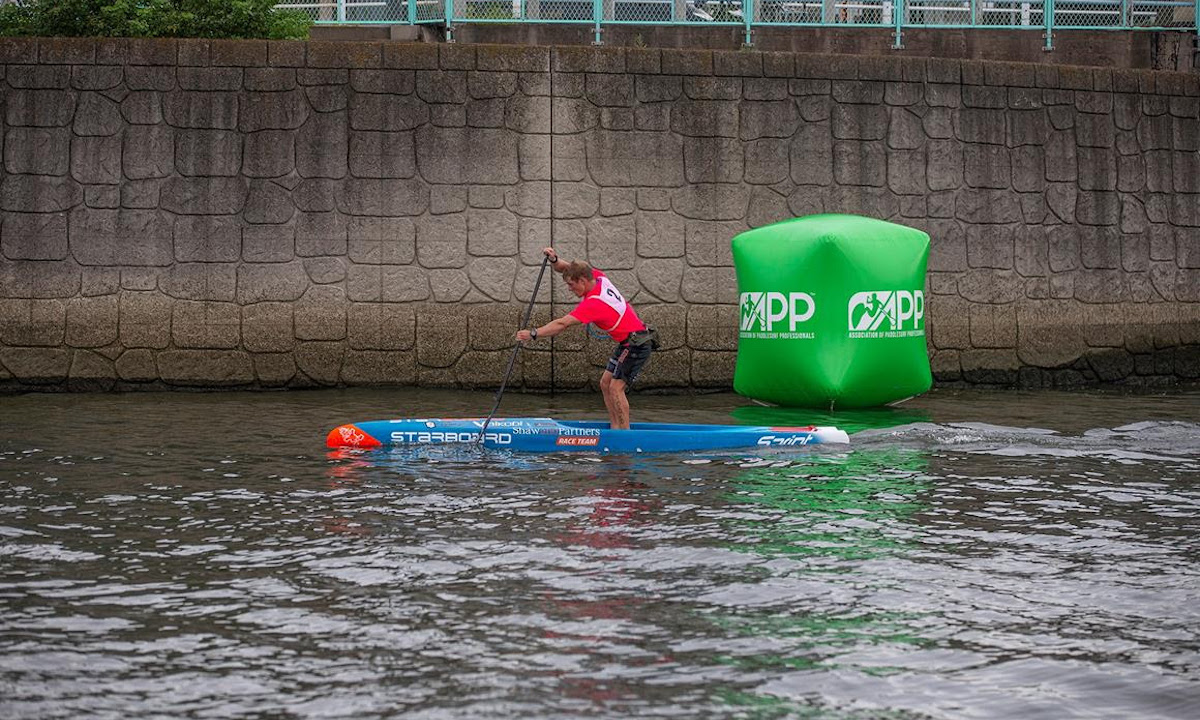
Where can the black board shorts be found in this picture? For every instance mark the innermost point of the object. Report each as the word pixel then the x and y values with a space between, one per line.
pixel 627 361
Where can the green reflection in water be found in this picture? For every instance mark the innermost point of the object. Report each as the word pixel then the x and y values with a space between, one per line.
pixel 851 421
pixel 768 707
pixel 844 506
pixel 835 517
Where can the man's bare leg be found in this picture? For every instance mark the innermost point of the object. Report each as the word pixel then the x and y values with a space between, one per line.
pixel 606 381
pixel 619 406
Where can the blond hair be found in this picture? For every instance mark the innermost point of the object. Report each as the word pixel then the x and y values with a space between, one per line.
pixel 578 270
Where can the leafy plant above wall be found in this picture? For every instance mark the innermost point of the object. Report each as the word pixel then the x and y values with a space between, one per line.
pixel 153 18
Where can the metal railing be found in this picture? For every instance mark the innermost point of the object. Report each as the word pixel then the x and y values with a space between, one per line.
pixel 1047 16
pixel 373 12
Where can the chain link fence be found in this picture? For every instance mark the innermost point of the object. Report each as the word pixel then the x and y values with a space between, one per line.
pixel 728 12
pixel 361 12
pixel 898 14
pixel 830 12
pixel 1113 14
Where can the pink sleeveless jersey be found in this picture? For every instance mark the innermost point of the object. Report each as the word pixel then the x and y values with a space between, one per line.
pixel 606 307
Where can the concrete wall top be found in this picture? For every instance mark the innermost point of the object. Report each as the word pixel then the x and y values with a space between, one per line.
pixel 578 59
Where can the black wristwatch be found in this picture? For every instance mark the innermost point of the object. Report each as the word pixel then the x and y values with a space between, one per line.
pixel 533 334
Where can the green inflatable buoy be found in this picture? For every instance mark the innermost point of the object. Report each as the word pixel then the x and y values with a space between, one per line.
pixel 832 312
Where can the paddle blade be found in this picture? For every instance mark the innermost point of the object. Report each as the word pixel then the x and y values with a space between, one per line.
pixel 349 436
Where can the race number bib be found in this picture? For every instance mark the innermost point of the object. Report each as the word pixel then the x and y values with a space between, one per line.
pixel 610 296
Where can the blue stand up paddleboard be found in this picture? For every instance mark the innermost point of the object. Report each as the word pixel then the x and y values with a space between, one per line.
pixel 548 435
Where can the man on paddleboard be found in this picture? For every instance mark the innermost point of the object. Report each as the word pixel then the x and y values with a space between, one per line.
pixel 604 306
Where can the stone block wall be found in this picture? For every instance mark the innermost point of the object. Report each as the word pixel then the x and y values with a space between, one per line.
pixel 268 214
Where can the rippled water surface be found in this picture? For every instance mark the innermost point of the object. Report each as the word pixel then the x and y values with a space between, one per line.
pixel 968 556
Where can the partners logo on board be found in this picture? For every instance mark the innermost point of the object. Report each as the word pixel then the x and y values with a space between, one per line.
pixel 887 314
pixel 776 316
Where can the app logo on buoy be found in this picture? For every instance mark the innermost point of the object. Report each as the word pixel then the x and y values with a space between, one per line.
pixel 887 314
pixel 776 315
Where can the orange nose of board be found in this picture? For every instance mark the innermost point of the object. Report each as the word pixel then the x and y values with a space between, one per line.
pixel 348 436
